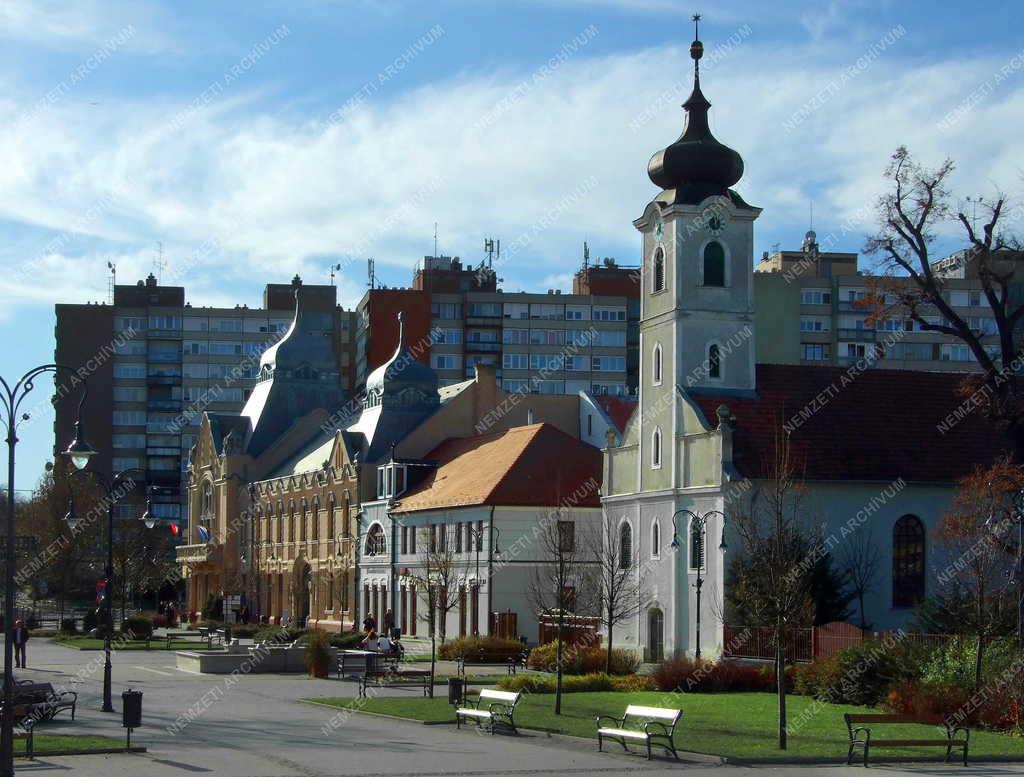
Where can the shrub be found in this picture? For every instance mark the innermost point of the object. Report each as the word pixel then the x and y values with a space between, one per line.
pixel 214 608
pixel 954 662
pixel 347 640
pixel 68 626
pixel 159 621
pixel 582 659
pixel 468 646
pixel 44 633
pixel 860 674
pixel 532 683
pixel 318 653
pixel 631 683
pixel 137 627
pixel 244 630
pixel 693 676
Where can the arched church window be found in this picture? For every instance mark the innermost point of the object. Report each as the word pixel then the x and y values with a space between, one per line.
pixel 714 264
pixel 375 544
pixel 656 449
pixel 625 546
pixel 658 273
pixel 714 361
pixel 656 371
pixel 907 561
pixel 655 540
pixel 206 509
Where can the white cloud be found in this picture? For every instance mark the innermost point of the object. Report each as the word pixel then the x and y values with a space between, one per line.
pixel 86 24
pixel 538 162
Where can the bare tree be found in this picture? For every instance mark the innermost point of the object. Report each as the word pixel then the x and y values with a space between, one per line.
pixel 438 580
pixel 772 573
pixel 556 582
pixel 860 560
pixel 909 217
pixel 613 578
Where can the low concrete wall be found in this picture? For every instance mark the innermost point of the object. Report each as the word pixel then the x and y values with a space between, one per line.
pixel 279 659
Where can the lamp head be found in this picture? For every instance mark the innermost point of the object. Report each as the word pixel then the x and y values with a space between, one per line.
pixel 72 517
pixel 79 451
pixel 147 517
pixel 675 541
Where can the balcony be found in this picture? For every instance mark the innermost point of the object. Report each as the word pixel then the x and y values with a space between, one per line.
pixel 163 334
pixel 163 380
pixel 163 404
pixel 477 346
pixel 161 357
pixel 197 554
pixel 865 335
pixel 175 452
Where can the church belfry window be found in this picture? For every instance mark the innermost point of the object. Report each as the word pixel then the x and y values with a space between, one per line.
pixel 714 362
pixel 714 264
pixel 656 448
pixel 656 365
pixel 625 546
pixel 907 561
pixel 658 271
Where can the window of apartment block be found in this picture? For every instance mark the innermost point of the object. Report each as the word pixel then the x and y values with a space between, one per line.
pixel 129 417
pixel 448 311
pixel 515 385
pixel 515 336
pixel 576 363
pixel 196 347
pixel 195 370
pixel 229 325
pixel 547 312
pixel 515 361
pixel 195 324
pixel 580 337
pixel 516 310
pixel 813 324
pixel 546 361
pixel 815 297
pixel 974 298
pixel 129 394
pixel 119 463
pixel 609 314
pixel 164 322
pixel 129 370
pixel 548 387
pixel 577 312
pixel 220 348
pixel 482 336
pixel 445 361
pixel 485 309
pixel 130 347
pixel 447 336
pixel 129 441
pixel 955 352
pixel 609 338
pixel 814 352
pixel 547 337
pixel 129 324
pixel 609 363
pixel 610 389
pixel 983 325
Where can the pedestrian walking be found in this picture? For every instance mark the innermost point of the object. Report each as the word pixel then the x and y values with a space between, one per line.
pixel 20 640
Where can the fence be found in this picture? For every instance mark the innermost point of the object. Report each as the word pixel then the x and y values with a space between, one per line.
pixel 810 644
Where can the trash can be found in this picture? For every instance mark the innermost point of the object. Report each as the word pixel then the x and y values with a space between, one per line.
pixel 456 691
pixel 131 708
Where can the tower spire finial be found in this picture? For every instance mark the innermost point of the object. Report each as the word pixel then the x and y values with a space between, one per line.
pixel 401 330
pixel 696 50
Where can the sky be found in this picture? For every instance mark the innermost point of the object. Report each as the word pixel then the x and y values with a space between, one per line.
pixel 253 141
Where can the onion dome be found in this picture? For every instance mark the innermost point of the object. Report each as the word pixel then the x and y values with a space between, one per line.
pixel 696 165
pixel 402 380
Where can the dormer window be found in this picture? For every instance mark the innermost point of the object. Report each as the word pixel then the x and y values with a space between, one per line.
pixel 391 480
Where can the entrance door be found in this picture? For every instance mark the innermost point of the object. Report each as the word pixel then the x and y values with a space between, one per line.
pixel 655 635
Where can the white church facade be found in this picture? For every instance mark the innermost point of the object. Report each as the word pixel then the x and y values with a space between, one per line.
pixel 866 440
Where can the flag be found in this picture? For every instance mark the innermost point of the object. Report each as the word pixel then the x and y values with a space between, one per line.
pixel 204 534
pixel 175 529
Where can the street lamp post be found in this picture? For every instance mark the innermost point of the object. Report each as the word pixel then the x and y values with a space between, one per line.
pixel 11 398
pixel 1018 517
pixel 110 488
pixel 698 524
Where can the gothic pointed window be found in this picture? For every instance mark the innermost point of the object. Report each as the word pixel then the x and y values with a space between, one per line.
pixel 655 540
pixel 714 264
pixel 656 449
pixel 907 561
pixel 656 360
pixel 658 274
pixel 625 546
pixel 714 362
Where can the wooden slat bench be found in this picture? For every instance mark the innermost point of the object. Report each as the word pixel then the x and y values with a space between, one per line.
pixel 171 636
pixel 511 661
pixel 500 708
pixel 396 678
pixel 861 735
pixel 39 701
pixel 659 726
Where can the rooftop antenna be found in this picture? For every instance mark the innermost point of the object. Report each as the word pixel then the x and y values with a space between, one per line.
pixel 974 211
pixel 435 240
pixel 159 263
pixel 373 277
pixel 111 281
pixel 489 250
pixel 812 215
pixel 586 255
pixel 334 267
pixel 776 247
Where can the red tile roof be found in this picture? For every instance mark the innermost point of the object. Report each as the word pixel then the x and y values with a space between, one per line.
pixel 619 409
pixel 531 466
pixel 873 425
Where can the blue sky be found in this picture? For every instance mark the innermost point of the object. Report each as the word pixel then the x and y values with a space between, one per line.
pixel 256 140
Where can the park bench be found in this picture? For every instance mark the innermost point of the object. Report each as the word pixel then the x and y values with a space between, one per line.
pixel 171 636
pixel 395 678
pixel 861 735
pixel 657 732
pixel 500 707
pixel 38 701
pixel 511 661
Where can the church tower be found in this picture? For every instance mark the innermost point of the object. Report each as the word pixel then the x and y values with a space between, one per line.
pixel 697 314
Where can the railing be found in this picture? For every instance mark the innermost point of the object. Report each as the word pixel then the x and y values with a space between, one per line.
pixel 868 335
pixel 758 642
pixel 812 644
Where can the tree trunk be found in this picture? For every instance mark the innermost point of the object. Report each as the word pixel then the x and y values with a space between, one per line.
pixel 978 661
pixel 558 662
pixel 860 599
pixel 780 682
pixel 608 657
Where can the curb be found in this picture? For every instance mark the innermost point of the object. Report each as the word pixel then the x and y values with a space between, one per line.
pixel 377 714
pixel 83 751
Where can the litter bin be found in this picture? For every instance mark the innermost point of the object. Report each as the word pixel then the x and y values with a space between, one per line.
pixel 131 711
pixel 456 691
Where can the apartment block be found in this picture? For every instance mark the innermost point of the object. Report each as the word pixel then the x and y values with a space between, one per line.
pixel 155 363
pixel 456 318
pixel 810 310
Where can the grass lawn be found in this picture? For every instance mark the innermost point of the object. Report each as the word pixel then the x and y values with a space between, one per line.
pixel 48 743
pixel 736 725
pixel 92 643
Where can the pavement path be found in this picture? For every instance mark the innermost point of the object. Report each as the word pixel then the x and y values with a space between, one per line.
pixel 253 726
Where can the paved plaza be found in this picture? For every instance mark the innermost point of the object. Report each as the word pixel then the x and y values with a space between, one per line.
pixel 253 726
